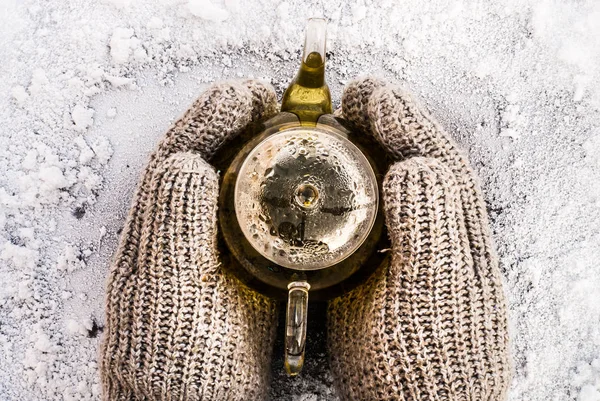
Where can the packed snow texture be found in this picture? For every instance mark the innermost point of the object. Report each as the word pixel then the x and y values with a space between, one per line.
pixel 88 87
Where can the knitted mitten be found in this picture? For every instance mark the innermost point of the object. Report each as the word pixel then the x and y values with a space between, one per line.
pixel 430 324
pixel 179 326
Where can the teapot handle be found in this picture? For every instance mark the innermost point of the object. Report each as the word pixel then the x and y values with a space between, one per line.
pixel 295 326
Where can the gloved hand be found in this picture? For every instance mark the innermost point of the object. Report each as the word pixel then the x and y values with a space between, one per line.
pixel 178 326
pixel 431 324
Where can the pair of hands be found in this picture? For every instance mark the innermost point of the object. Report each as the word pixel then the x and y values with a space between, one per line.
pixel 429 324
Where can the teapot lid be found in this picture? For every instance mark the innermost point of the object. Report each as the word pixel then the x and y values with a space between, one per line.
pixel 306 198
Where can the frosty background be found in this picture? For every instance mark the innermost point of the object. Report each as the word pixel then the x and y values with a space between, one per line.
pixel 87 88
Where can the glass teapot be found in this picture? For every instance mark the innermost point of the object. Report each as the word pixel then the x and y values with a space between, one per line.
pixel 299 202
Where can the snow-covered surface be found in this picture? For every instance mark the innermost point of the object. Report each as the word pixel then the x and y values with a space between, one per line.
pixel 87 88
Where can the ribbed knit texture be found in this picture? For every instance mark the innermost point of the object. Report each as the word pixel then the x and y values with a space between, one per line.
pixel 431 323
pixel 178 325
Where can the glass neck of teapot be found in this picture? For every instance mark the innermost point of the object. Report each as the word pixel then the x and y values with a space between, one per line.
pixel 312 70
pixel 308 94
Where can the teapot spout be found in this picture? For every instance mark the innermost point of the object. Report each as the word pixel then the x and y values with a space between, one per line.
pixel 308 95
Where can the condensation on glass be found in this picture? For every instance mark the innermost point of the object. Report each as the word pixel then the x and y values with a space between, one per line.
pixel 306 199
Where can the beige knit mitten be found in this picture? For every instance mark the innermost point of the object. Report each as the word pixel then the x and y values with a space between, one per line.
pixel 431 324
pixel 179 326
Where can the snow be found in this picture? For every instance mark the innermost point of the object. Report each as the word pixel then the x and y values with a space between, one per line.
pixel 118 81
pixel 20 94
pixel 111 113
pixel 80 328
pixel 71 259
pixel 207 10
pixel 121 44
pixel 359 12
pixel 89 87
pixel 52 178
pixel 588 373
pixel 19 256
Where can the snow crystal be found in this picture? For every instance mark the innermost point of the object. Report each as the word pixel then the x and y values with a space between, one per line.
pixel 38 81
pixel 103 150
pixel 589 393
pixel 21 257
pixel 52 178
pixel 155 23
pixel 24 290
pixel 119 4
pixel 86 153
pixel 19 94
pixel 510 132
pixel 359 12
pixel 118 81
pixel 207 10
pixel 591 146
pixel 82 117
pixel 2 219
pixel 70 260
pixel 111 113
pixel 121 44
pixel 30 160
pixel 79 327
pixel 588 377
pixel 43 343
